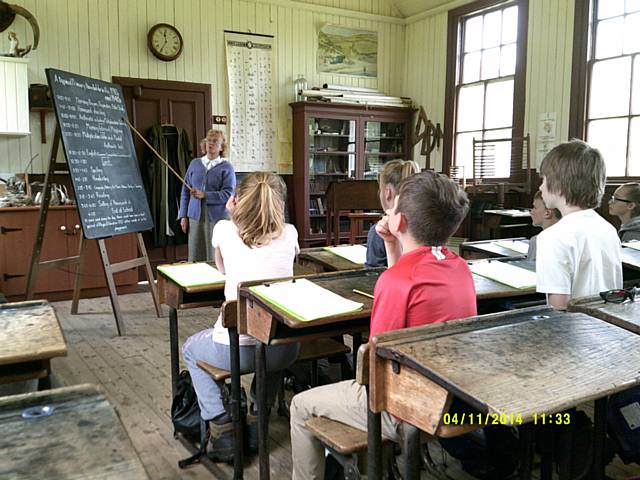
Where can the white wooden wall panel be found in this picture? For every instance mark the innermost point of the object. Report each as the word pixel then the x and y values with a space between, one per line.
pixel 14 102
pixel 548 82
pixel 105 38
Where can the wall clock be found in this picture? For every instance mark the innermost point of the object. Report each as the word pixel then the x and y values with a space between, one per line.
pixel 165 42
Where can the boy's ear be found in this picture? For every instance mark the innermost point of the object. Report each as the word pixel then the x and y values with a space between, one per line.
pixel 388 194
pixel 548 213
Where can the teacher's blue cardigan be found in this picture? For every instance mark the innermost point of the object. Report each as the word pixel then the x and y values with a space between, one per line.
pixel 219 183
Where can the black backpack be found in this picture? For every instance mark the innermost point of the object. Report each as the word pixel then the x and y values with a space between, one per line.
pixel 185 411
pixel 487 453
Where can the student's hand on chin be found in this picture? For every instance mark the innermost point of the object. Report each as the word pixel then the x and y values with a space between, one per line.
pixel 382 228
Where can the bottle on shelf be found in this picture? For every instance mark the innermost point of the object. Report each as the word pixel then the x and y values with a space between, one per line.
pixel 299 84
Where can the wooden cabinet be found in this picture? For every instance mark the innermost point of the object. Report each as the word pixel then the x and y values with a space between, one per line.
pixel 18 228
pixel 334 142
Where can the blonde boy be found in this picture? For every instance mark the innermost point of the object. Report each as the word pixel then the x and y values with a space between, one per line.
pixel 581 254
pixel 541 216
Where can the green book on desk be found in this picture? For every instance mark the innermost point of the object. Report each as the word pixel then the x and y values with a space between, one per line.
pixel 305 300
pixel 515 277
pixel 192 274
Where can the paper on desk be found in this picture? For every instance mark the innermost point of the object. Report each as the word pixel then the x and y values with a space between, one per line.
pixel 633 244
pixel 304 300
pixel 506 273
pixel 516 245
pixel 512 212
pixel 353 253
pixel 192 274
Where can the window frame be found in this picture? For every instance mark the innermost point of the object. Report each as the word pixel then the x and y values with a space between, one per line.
pixel 454 66
pixel 585 15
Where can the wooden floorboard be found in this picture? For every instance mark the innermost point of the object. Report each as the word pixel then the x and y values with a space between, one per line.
pixel 134 371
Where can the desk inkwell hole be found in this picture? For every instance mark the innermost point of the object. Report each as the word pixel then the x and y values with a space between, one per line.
pixel 38 412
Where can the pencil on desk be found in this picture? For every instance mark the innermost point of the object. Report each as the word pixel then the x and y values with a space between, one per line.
pixel 362 293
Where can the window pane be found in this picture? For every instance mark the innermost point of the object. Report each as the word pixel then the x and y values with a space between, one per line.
pixel 499 106
pixel 491 63
pixel 632 33
pixel 632 6
pixel 499 153
pixel 470 108
pixel 610 85
pixel 471 67
pixel 510 25
pixel 473 34
pixel 635 95
pixel 610 8
pixel 634 148
pixel 508 60
pixel 491 31
pixel 610 137
pixel 610 37
pixel 464 151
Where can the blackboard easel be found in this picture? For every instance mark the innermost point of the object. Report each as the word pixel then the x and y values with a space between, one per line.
pixel 108 188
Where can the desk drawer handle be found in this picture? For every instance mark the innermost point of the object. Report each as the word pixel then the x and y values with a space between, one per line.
pixel 9 276
pixel 4 230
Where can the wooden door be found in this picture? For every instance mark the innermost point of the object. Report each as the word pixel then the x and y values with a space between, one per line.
pixel 154 102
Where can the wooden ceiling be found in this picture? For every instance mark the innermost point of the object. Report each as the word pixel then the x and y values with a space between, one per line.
pixel 407 8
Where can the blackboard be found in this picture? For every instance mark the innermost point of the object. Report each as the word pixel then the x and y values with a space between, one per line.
pixel 100 154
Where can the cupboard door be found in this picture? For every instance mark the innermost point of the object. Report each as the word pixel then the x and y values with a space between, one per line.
pixel 17 248
pixel 119 248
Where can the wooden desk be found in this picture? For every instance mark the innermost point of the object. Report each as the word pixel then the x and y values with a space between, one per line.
pixel 489 249
pixel 625 315
pixel 320 260
pixel 630 263
pixel 270 325
pixel 83 438
pixel 504 364
pixel 30 336
pixel 497 221
pixel 177 297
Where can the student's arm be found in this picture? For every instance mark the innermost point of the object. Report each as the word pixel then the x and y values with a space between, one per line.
pixel 219 260
pixel 553 271
pixel 220 197
pixel 558 301
pixel 391 243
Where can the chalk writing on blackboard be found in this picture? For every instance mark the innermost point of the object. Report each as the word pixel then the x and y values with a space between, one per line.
pixel 100 154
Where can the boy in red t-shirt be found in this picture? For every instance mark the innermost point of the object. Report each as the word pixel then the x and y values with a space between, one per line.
pixel 425 283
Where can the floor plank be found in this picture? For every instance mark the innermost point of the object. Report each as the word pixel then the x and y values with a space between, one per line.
pixel 134 372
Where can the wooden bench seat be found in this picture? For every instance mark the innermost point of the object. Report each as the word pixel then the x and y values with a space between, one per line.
pixel 310 350
pixel 342 438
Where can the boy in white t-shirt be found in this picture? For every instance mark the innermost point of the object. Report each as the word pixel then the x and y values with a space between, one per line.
pixel 581 254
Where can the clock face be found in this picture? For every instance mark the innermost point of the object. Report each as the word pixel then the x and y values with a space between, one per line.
pixel 165 42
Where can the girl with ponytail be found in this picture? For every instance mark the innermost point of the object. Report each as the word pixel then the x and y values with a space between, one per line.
pixel 255 244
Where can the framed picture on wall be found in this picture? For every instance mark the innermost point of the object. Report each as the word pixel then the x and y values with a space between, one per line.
pixel 347 51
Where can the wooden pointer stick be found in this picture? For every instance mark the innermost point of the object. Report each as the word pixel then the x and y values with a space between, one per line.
pixel 157 154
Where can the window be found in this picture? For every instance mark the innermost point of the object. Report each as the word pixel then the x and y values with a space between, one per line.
pixel 606 82
pixel 485 83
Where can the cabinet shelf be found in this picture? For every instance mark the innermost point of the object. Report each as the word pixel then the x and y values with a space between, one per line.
pixel 322 152
pixel 315 168
pixel 384 154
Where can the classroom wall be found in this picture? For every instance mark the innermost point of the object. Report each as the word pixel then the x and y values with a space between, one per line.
pixel 105 38
pixel 548 82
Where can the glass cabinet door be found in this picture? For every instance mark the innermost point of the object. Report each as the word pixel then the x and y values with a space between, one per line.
pixel 332 157
pixel 383 141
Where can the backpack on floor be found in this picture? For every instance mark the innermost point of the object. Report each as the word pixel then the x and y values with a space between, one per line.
pixel 624 424
pixel 486 453
pixel 185 411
